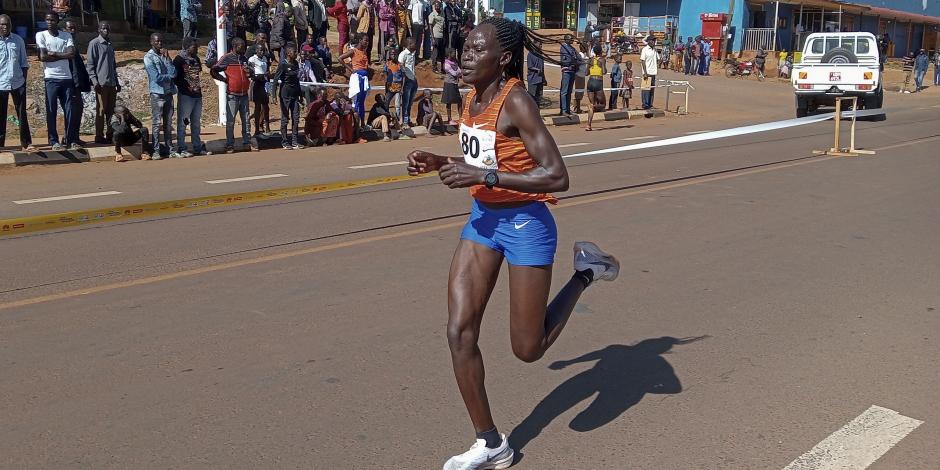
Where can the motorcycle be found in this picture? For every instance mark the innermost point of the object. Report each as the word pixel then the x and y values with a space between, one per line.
pixel 734 67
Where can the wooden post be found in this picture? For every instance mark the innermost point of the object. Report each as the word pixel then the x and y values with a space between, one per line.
pixel 835 145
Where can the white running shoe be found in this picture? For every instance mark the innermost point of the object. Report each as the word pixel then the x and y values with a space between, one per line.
pixel 480 457
pixel 588 256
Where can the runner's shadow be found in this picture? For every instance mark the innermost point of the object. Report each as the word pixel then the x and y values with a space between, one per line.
pixel 620 378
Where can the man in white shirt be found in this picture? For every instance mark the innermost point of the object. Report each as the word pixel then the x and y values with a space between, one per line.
pixel 417 8
pixel 56 49
pixel 649 67
pixel 410 83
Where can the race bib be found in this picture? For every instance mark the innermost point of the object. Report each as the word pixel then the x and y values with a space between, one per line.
pixel 478 146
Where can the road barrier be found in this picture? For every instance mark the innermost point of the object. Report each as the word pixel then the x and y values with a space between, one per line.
pixel 837 150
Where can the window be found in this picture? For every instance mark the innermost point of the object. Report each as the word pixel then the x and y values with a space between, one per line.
pixel 848 42
pixel 817 46
pixel 864 46
pixel 832 43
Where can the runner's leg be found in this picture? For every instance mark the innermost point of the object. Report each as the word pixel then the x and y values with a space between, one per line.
pixel 533 327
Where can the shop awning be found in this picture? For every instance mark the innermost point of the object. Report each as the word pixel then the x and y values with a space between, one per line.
pixel 890 14
pixel 828 5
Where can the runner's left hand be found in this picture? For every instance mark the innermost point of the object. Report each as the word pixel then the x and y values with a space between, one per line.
pixel 457 174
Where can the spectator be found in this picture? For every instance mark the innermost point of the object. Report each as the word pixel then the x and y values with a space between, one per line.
pixel 410 84
pixel 317 19
pixel 56 49
pixel 359 72
pixel 463 32
pixel 341 13
pixel 300 22
pixel 580 77
pixel 452 23
pixel 259 18
pixel 907 65
pixel 921 62
pixel 427 116
pixel 189 101
pixel 625 95
pixel 287 78
pixel 61 8
pixel 240 10
pixel 313 120
pixel 102 72
pixel 616 78
pixel 786 66
pixel 212 53
pixel 680 55
pixel 387 28
pixel 391 49
pixel 81 82
pixel 536 75
pixel 696 56
pixel 706 62
pixel 189 10
pixel 687 56
pixel 324 53
pixel 936 68
pixel 258 92
pixel 595 85
pixel 366 25
pixel 402 20
pixel 394 81
pixel 649 63
pixel 122 126
pixel 436 25
pixel 161 74
pixel 452 75
pixel 13 69
pixel 417 16
pixel 381 118
pixel 235 66
pixel 570 61
pixel 281 31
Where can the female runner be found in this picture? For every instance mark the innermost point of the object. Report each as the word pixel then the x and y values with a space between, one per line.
pixel 511 165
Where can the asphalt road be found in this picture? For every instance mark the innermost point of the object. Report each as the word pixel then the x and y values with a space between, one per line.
pixel 767 299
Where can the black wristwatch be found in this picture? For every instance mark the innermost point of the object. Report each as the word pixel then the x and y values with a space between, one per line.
pixel 490 179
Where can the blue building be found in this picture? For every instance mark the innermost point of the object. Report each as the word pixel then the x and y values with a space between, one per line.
pixel 911 24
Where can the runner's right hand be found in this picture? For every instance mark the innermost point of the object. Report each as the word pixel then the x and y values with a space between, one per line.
pixel 420 162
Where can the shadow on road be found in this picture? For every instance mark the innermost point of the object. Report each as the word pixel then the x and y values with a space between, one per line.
pixel 621 377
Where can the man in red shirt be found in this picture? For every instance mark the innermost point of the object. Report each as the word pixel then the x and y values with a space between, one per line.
pixel 237 77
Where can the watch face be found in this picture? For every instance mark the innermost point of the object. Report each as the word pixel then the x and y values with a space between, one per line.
pixel 490 179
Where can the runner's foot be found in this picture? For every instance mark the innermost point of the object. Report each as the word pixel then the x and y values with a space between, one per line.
pixel 587 256
pixel 480 457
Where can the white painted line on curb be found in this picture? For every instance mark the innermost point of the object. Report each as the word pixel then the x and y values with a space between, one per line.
pixel 247 178
pixel 697 132
pixel 573 145
pixel 63 198
pixel 642 137
pixel 859 443
pixel 376 165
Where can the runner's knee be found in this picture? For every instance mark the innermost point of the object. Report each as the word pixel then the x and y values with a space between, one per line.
pixel 462 337
pixel 527 351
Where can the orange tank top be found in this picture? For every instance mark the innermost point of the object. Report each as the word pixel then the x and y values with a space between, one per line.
pixel 484 147
pixel 360 61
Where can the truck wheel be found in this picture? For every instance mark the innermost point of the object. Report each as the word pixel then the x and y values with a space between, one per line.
pixel 801 112
pixel 802 107
pixel 839 55
pixel 875 101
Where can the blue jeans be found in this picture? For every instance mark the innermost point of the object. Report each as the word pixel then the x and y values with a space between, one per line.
pixel 236 104
pixel 408 90
pixel 161 111
pixel 567 86
pixel 60 93
pixel 189 107
pixel 647 95
pixel 919 78
pixel 936 74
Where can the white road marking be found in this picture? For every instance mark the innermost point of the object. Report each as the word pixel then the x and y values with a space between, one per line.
pixel 642 137
pixel 247 178
pixel 859 443
pixel 63 198
pixel 936 106
pixel 376 165
pixel 697 132
pixel 578 144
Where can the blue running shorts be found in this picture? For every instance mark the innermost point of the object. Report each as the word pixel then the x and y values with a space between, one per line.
pixel 525 235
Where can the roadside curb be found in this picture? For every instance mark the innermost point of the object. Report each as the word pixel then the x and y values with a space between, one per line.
pixel 107 153
pixel 605 116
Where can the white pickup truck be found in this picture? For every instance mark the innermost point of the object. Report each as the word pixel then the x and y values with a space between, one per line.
pixel 838 64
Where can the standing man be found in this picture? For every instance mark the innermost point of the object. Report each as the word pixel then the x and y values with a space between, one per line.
pixel 81 82
pixel 237 78
pixel 56 49
pixel 452 24
pixel 417 8
pixel 696 55
pixel 102 72
pixel 536 75
pixel 570 61
pixel 410 86
pixel 439 43
pixel 300 20
pixel 936 68
pixel 189 101
pixel 907 66
pixel 188 12
pixel 317 20
pixel 160 75
pixel 649 67
pixel 13 68
pixel 706 62
pixel 921 62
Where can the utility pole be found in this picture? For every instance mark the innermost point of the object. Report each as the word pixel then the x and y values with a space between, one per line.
pixel 724 33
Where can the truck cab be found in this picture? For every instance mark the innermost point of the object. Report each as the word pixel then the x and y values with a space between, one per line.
pixel 838 64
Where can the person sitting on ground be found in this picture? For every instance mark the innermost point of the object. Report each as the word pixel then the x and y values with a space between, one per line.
pixel 452 75
pixel 625 95
pixel 123 124
pixel 329 119
pixel 381 118
pixel 427 116
pixel 313 117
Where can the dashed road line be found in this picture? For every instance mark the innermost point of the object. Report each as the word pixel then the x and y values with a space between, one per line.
pixel 63 198
pixel 697 132
pixel 576 144
pixel 247 178
pixel 376 165
pixel 859 443
pixel 642 137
